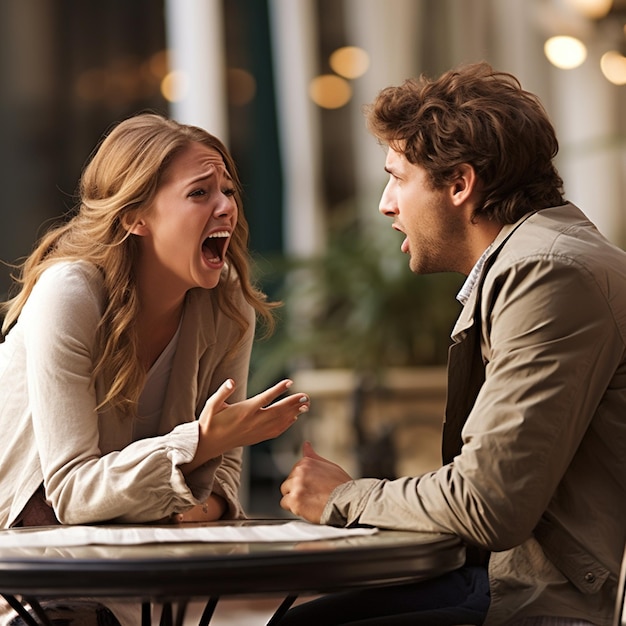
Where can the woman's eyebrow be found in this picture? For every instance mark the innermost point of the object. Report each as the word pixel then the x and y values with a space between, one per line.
pixel 210 173
pixel 201 177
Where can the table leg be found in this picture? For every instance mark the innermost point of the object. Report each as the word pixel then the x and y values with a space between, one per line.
pixel 17 606
pixel 166 615
pixel 181 609
pixel 39 612
pixel 207 614
pixel 146 614
pixel 281 610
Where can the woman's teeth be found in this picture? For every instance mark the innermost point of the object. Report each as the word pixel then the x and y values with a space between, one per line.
pixel 213 246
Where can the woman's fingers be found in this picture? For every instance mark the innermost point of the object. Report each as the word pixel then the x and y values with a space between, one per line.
pixel 267 399
pixel 269 395
pixel 222 394
pixel 292 405
pixel 261 417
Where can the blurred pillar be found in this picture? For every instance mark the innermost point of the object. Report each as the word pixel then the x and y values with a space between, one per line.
pixel 517 46
pixel 590 158
pixel 293 29
pixel 389 32
pixel 194 32
pixel 29 130
pixel 253 123
pixel 583 107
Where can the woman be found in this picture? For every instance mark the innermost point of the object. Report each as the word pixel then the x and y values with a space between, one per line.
pixel 126 349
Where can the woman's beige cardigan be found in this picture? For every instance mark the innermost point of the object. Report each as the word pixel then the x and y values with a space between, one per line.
pixel 52 432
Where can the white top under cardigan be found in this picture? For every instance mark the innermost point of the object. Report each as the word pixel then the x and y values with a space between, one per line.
pixel 153 394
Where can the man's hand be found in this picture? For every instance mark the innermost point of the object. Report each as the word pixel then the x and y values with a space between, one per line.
pixel 307 488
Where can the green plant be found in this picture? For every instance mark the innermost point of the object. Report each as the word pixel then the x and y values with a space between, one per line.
pixel 357 306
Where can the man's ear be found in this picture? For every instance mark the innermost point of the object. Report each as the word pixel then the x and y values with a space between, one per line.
pixel 464 184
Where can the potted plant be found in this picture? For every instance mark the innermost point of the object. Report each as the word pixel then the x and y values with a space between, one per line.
pixel 357 306
pixel 368 340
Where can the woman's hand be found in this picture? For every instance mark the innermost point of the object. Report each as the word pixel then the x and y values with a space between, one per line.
pixel 209 511
pixel 225 426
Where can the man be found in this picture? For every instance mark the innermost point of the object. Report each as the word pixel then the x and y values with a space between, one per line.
pixel 534 439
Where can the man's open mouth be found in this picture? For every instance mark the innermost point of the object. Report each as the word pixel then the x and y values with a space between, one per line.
pixel 214 246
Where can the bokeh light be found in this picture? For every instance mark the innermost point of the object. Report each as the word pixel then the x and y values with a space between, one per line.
pixel 350 61
pixel 158 64
pixel 613 65
pixel 593 9
pixel 565 52
pixel 329 91
pixel 175 86
pixel 241 86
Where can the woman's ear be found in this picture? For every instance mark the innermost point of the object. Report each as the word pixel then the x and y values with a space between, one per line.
pixel 464 185
pixel 134 225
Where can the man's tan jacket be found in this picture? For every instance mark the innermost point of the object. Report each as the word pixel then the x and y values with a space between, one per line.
pixel 534 440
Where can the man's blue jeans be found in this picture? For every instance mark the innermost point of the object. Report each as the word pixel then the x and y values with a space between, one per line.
pixel 460 597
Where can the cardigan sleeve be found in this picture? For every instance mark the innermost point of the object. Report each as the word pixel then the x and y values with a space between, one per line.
pixel 138 481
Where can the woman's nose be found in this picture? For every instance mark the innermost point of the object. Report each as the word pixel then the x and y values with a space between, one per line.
pixel 226 206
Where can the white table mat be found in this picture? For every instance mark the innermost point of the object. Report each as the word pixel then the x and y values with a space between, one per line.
pixel 64 536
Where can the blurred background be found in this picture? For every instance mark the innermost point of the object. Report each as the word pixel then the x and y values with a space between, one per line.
pixel 283 83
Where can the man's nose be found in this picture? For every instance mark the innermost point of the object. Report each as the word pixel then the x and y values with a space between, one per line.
pixel 386 206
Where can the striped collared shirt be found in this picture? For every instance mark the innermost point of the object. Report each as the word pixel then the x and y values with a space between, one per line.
pixel 470 281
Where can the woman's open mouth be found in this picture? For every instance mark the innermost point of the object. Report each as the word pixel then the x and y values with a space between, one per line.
pixel 214 246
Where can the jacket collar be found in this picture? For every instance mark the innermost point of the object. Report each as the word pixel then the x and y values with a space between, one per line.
pixel 467 315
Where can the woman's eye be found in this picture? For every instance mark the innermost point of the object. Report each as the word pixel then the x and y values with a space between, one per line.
pixel 197 192
pixel 229 192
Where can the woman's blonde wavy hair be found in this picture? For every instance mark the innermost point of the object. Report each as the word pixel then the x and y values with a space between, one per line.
pixel 119 181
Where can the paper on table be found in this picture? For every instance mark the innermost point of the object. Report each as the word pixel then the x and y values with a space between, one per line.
pixel 64 536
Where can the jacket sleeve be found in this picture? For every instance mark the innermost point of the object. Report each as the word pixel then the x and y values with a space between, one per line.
pixel 550 346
